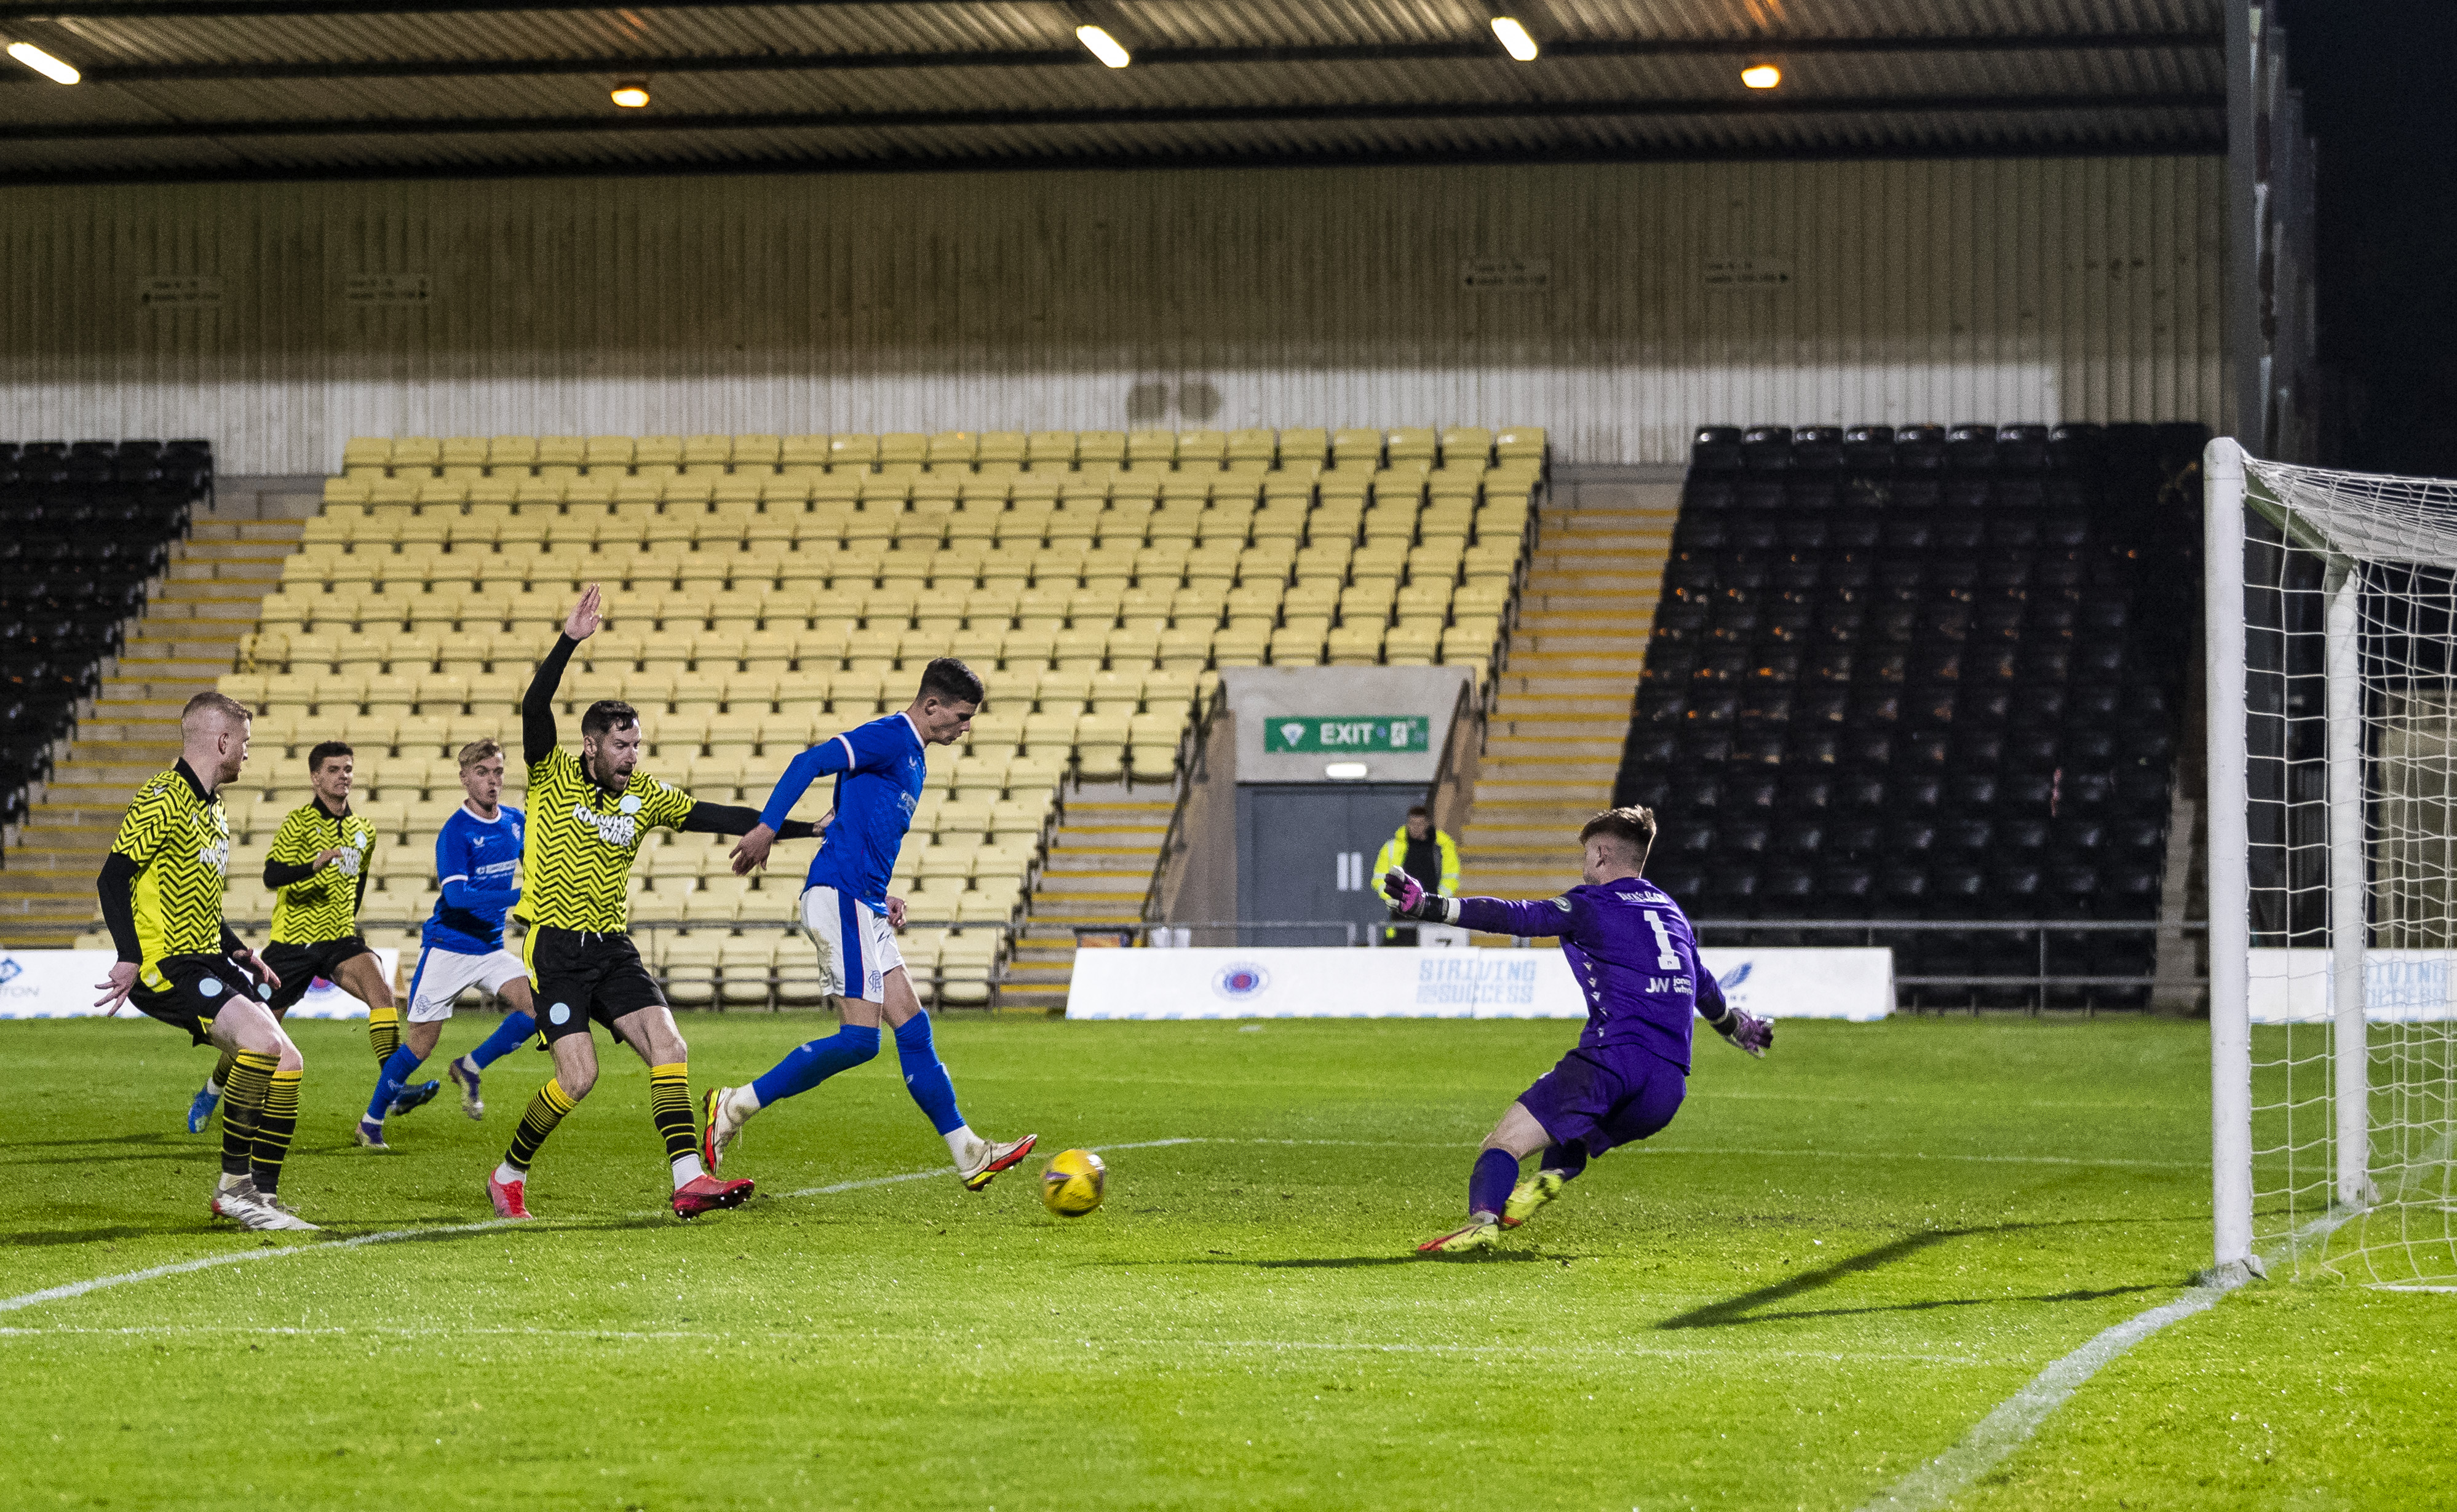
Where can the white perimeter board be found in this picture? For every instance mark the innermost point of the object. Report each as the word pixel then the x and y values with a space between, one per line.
pixel 1332 982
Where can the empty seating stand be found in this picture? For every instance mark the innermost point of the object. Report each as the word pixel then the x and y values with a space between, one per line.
pixel 1932 673
pixel 766 591
pixel 84 526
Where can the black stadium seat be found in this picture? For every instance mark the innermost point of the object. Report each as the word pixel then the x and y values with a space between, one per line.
pixel 1961 645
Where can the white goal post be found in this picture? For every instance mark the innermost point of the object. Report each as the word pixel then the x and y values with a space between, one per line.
pixel 2331 612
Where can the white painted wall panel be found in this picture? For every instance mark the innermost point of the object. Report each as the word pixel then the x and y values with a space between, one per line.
pixel 2020 289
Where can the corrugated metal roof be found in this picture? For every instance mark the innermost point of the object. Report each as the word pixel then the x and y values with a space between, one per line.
pixel 243 88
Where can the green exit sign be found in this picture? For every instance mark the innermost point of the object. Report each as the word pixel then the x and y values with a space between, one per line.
pixel 1346 734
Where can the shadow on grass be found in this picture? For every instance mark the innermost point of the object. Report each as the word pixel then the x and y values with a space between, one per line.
pixel 40 1239
pixel 1349 1263
pixel 1744 1308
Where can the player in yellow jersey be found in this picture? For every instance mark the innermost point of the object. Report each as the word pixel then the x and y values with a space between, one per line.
pixel 161 896
pixel 587 815
pixel 318 869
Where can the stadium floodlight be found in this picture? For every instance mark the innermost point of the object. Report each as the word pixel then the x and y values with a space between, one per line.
pixel 1761 76
pixel 1103 46
pixel 2332 690
pixel 43 63
pixel 631 95
pixel 1515 39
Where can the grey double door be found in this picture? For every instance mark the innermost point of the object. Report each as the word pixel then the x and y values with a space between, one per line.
pixel 1306 853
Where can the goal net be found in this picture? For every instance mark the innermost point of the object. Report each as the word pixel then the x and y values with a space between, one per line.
pixel 2332 621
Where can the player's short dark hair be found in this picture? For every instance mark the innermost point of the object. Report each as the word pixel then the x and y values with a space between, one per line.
pixel 1413 809
pixel 478 751
pixel 214 702
pixel 1633 824
pixel 608 713
pixel 326 750
pixel 950 682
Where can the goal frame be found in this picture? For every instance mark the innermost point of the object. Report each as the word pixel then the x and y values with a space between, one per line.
pixel 2227 493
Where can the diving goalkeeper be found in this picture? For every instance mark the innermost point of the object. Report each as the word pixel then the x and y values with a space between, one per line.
pixel 1630 947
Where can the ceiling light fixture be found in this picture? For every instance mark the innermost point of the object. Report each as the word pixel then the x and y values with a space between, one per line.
pixel 43 63
pixel 632 95
pixel 1761 76
pixel 1345 771
pixel 1104 47
pixel 1514 38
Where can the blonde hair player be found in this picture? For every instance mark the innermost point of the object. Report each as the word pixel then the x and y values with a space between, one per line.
pixel 478 865
pixel 161 894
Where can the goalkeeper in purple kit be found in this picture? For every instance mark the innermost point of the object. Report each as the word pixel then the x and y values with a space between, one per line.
pixel 1630 947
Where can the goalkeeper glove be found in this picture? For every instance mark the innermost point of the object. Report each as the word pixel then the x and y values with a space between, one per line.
pixel 1410 900
pixel 1746 1029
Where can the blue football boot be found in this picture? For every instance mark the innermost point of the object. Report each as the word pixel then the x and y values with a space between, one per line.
pixel 201 1110
pixel 418 1096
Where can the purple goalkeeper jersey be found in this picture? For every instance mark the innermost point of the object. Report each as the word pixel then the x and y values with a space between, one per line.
pixel 1630 947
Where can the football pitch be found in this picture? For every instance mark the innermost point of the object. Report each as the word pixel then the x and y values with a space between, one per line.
pixel 1831 1266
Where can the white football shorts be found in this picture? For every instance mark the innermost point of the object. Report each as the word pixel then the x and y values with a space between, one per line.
pixel 857 947
pixel 444 975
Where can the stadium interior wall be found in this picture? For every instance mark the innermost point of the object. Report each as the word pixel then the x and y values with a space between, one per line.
pixel 1883 291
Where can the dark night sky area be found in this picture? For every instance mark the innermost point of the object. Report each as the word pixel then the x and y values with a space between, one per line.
pixel 2375 75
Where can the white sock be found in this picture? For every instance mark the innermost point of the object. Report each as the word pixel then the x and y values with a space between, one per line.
pixel 687 1169
pixel 961 1143
pixel 212 1088
pixel 508 1173
pixel 228 1181
pixel 742 1102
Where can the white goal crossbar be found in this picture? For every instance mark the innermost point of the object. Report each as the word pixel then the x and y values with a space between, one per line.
pixel 2332 613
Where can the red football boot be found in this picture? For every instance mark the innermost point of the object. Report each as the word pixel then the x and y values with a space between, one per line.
pixel 706 1193
pixel 507 1197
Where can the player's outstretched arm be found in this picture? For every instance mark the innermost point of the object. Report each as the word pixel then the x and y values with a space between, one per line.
pixel 834 754
pixel 537 705
pixel 1742 1027
pixel 1409 899
pixel 737 819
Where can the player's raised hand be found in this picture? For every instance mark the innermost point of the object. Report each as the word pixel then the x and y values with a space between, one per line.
pixel 586 615
pixel 1406 893
pixel 116 986
pixel 1750 1032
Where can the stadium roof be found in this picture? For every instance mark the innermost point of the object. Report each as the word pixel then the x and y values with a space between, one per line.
pixel 287 89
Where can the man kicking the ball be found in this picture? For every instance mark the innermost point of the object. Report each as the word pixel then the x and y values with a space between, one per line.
pixel 879 768
pixel 1630 947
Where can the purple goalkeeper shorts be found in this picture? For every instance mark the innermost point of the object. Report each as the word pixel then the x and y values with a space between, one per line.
pixel 1612 1094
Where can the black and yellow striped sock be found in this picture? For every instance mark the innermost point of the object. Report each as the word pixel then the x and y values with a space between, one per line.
pixel 244 1095
pixel 544 1111
pixel 220 1078
pixel 669 1104
pixel 274 1129
pixel 384 1029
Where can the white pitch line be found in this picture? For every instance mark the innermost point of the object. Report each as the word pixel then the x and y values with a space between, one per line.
pixel 61 1294
pixel 2018 1417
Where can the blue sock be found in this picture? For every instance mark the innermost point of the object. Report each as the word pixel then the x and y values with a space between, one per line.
pixel 510 1035
pixel 925 1078
pixel 806 1066
pixel 1488 1189
pixel 396 1073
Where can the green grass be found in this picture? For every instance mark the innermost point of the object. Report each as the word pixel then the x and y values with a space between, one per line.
pixel 1828 1268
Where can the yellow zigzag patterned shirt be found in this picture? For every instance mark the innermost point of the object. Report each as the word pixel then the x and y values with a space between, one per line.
pixel 323 907
pixel 181 842
pixel 581 841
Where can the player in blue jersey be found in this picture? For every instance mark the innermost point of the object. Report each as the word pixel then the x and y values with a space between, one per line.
pixel 478 861
pixel 879 770
pixel 1630 947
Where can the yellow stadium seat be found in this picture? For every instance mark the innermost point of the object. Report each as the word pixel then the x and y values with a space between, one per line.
pixel 1096 447
pixel 852 450
pixel 1356 644
pixel 904 447
pixel 1299 448
pixel 1293 646
pixel 1151 448
pixel 1051 449
pixel 1253 445
pixel 1522 442
pixel 1201 450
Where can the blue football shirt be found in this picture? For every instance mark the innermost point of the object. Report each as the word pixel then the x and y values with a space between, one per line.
pixel 478 861
pixel 881 771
